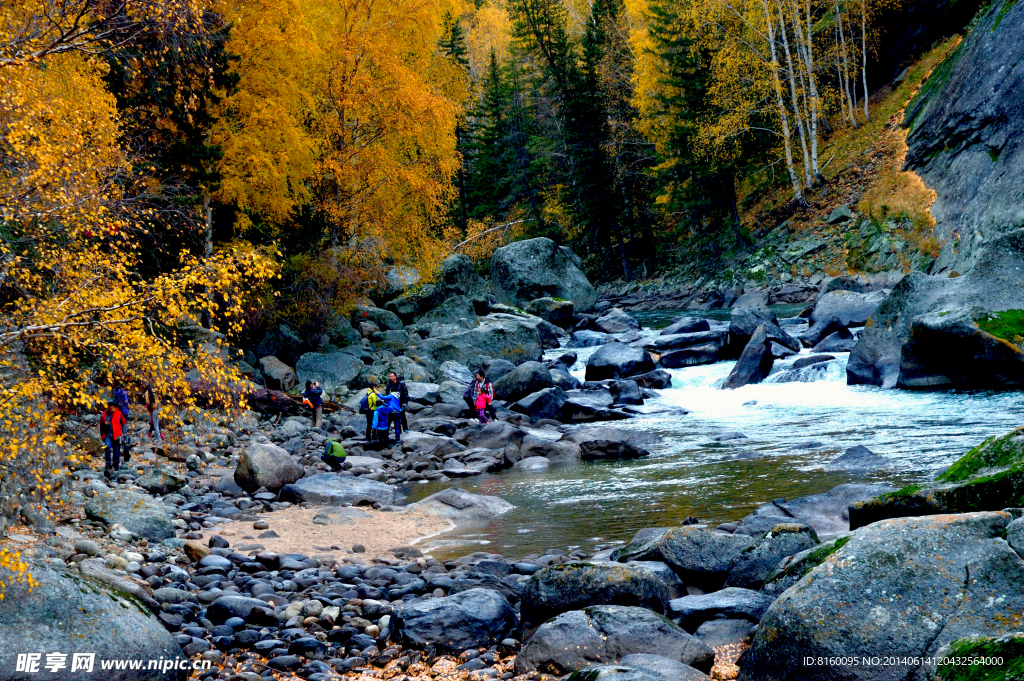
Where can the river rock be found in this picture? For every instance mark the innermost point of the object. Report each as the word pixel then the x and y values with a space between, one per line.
pixel 140 514
pixel 277 375
pixel 72 613
pixel 611 672
pixel 811 361
pixel 600 450
pixel 590 339
pixel 617 360
pixel 690 357
pixel 792 569
pixel 543 404
pixel 508 337
pixel 525 379
pixel 266 465
pixel 827 513
pixel 840 341
pixel 558 312
pixel 699 555
pixel 532 464
pixel 636 438
pixel 424 393
pixel 626 392
pixel 226 607
pixel 822 329
pixel 615 321
pixel 457 277
pixel 752 566
pixel 901 589
pixel 97 569
pixel 470 619
pixel 386 320
pixel 730 602
pixel 847 307
pixel 451 392
pixel 606 633
pixel 754 364
pixel 744 322
pixel 581 406
pixel 564 380
pixel 860 458
pixel 537 268
pixel 987 478
pixel 943 314
pixel 458 504
pixel 729 632
pixel 571 586
pixel 686 325
pixel 161 481
pixel 665 667
pixel 334 370
pixel 655 380
pixel 328 489
pixel 676 341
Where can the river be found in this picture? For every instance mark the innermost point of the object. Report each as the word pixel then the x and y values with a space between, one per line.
pixel 793 430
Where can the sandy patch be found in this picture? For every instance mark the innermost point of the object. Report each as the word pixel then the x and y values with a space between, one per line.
pixel 378 531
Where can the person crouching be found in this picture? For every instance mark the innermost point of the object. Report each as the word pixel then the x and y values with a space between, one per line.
pixel 334 455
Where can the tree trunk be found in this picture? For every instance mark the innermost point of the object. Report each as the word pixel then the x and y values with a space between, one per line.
pixel 814 104
pixel 797 114
pixel 846 66
pixel 798 194
pixel 864 53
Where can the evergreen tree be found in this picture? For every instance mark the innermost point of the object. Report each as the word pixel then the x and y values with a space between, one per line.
pixel 453 45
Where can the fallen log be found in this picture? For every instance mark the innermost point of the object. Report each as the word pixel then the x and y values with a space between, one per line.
pixel 273 402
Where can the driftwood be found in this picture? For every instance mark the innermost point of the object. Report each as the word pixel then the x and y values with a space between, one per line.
pixel 273 402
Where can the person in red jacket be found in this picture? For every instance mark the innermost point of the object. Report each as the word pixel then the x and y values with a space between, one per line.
pixel 112 427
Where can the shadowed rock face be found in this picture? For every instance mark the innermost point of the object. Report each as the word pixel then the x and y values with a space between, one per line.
pixel 965 137
pixel 904 588
pixel 538 268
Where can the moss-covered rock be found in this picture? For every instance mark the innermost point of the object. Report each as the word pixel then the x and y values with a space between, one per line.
pixel 792 569
pixel 990 477
pixel 998 659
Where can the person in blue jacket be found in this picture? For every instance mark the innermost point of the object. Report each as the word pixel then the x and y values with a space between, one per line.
pixel 381 425
pixel 315 395
pixel 395 414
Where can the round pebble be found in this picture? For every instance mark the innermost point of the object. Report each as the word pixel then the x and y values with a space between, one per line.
pixel 261 525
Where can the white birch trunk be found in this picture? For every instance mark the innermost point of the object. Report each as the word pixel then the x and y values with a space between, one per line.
pixel 797 113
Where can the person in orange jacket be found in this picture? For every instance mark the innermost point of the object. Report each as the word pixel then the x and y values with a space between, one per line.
pixel 112 428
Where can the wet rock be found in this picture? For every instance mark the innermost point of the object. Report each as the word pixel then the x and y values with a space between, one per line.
pixel 458 504
pixel 699 555
pixel 731 602
pixel 686 325
pixel 755 362
pixel 615 321
pixel 470 619
pixel 534 463
pixel 860 458
pixel 590 339
pixel 847 307
pixel 71 613
pixel 902 589
pixel 606 633
pixel 626 392
pixel 139 513
pixel 617 360
pixel 597 450
pixel 582 406
pixel 656 380
pixel 266 465
pixel 840 341
pixel 811 361
pixel 827 513
pixel 327 489
pixel 752 566
pixel 745 321
pixel 571 586
pixel 535 268
pixel 689 357
pixel 987 478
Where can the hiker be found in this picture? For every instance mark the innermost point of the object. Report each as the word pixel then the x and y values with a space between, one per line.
pixel 153 406
pixel 112 427
pixel 480 385
pixel 483 400
pixel 123 403
pixel 381 423
pixel 398 387
pixel 313 395
pixel 334 455
pixel 368 406
pixel 395 414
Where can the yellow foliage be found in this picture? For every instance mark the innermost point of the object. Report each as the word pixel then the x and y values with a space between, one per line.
pixel 488 28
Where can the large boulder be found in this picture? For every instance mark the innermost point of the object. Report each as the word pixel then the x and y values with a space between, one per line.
pixel 470 619
pixel 543 404
pixel 744 321
pixel 691 356
pixel 616 360
pixel 73 614
pixel 539 268
pixel 560 588
pixel 263 464
pixel 826 513
pixel 140 514
pixel 699 555
pixel 327 489
pixel 558 312
pixel 505 337
pixel 457 277
pixel 457 310
pixel 949 332
pixel 901 590
pixel 527 378
pixel 384 319
pixel 334 370
pixel 605 634
pixel 675 341
pixel 847 307
pixel 616 321
pixel 686 325
pixel 658 665
pixel 965 138
pixel 755 362
pixel 753 565
pixel 276 374
pixel 583 406
pixel 990 477
pixel 458 504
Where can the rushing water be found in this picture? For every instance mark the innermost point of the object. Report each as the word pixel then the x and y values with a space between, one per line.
pixel 793 430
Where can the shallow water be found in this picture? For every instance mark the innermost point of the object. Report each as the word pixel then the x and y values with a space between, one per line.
pixel 793 430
